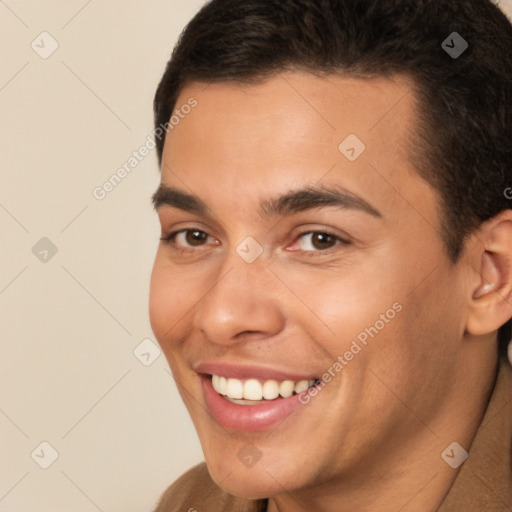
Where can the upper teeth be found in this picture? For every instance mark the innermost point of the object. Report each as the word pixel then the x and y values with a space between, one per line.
pixel 253 389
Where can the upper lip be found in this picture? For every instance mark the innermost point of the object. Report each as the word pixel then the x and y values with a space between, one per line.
pixel 243 371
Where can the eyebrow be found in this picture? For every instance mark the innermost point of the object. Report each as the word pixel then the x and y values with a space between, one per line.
pixel 293 202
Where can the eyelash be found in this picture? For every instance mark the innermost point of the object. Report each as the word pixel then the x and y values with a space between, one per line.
pixel 169 240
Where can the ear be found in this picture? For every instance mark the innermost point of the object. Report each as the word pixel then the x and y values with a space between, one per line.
pixel 490 293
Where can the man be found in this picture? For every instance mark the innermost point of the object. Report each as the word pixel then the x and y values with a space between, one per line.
pixel 333 288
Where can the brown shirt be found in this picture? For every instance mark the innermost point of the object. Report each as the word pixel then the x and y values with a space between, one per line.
pixel 484 482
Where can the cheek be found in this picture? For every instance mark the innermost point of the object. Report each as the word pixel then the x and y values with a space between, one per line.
pixel 165 302
pixel 339 307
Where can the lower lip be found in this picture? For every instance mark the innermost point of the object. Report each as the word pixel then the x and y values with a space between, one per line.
pixel 249 418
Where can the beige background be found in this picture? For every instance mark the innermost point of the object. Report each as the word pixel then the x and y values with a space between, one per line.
pixel 70 324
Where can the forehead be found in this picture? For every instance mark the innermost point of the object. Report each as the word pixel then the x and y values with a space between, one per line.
pixel 331 103
pixel 243 140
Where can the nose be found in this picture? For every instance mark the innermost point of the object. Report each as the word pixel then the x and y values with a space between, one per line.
pixel 243 302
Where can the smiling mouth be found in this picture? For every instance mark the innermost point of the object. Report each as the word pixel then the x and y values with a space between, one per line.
pixel 256 392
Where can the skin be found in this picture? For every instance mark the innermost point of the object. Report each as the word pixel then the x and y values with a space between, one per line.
pixel 372 438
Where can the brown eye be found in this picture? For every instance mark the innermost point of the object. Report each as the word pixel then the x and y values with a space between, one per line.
pixel 186 239
pixel 322 241
pixel 317 241
pixel 195 238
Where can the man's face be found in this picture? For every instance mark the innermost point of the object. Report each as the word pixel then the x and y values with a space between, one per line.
pixel 328 275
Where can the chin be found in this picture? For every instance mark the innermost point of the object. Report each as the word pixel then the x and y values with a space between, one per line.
pixel 252 486
pixel 256 482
